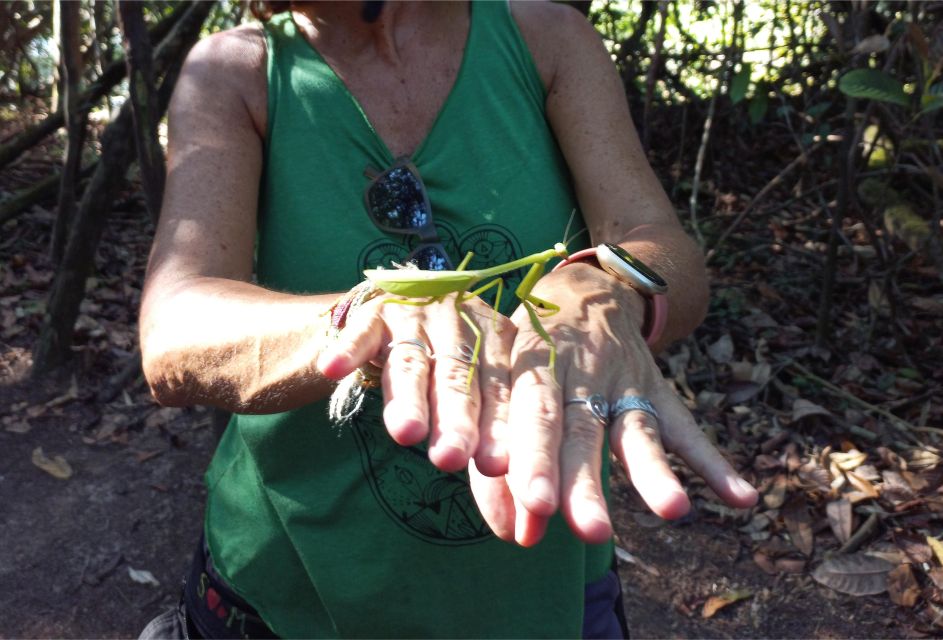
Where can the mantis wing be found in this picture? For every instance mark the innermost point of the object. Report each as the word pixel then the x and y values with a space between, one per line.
pixel 421 284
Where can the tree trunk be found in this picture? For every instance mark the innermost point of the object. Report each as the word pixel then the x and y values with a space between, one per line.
pixel 112 75
pixel 54 344
pixel 652 76
pixel 143 96
pixel 76 117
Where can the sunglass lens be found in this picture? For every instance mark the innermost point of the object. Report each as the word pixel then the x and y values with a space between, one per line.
pixel 397 202
pixel 431 258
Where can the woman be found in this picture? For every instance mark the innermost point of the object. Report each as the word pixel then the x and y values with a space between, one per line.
pixel 485 126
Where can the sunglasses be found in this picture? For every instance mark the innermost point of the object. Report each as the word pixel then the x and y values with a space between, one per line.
pixel 397 202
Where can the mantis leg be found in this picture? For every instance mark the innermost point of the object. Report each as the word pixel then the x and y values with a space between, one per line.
pixel 535 322
pixel 531 301
pixel 411 302
pixel 462 297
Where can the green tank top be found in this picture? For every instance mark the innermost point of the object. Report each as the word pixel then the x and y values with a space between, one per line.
pixel 336 531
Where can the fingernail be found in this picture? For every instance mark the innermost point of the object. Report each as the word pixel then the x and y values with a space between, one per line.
pixel 745 486
pixel 541 489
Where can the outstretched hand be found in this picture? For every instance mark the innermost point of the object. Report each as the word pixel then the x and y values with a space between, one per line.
pixel 556 442
pixel 424 352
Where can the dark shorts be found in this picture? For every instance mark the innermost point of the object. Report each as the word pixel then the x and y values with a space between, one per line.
pixel 208 608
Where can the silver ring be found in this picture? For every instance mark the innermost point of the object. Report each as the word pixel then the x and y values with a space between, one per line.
pixel 597 405
pixel 631 403
pixel 464 355
pixel 415 342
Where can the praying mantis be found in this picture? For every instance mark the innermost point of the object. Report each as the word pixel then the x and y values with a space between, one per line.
pixel 433 286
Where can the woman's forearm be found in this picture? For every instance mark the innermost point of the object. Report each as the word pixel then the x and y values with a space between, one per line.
pixel 234 345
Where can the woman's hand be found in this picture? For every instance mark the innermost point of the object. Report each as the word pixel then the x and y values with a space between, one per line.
pixel 555 448
pixel 426 391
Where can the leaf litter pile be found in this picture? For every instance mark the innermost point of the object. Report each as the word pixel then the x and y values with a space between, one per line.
pixel 842 440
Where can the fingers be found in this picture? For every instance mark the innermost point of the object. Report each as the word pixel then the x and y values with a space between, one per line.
pixel 635 438
pixel 359 343
pixel 454 402
pixel 683 436
pixel 494 501
pixel 535 426
pixel 582 500
pixel 494 383
pixel 405 381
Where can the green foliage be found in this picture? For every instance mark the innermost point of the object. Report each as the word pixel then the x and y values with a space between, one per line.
pixel 740 83
pixel 873 84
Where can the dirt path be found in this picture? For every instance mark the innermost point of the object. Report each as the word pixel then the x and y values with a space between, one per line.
pixel 134 501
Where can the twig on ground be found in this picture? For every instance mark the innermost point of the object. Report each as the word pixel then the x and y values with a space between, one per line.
pixel 759 197
pixel 899 423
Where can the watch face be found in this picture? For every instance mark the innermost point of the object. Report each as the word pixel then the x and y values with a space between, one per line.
pixel 655 282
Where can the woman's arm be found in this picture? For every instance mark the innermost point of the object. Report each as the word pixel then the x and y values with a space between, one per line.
pixel 207 334
pixel 556 461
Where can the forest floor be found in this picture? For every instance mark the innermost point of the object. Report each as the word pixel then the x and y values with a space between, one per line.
pixel 101 490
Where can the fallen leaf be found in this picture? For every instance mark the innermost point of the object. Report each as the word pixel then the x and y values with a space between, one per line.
pixel 57 467
pixel 14 424
pixel 758 320
pixel 799 525
pixel 162 416
pixel 721 351
pixel 856 574
pixel 848 460
pixel 776 496
pixel 902 587
pixel 861 484
pixel 716 603
pixel 710 399
pixel 936 575
pixel 937 547
pixel 144 456
pixel 142 576
pixel 840 519
pixel 803 409
pixel 915 547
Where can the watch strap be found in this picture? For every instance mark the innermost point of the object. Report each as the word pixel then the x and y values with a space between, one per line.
pixel 656 306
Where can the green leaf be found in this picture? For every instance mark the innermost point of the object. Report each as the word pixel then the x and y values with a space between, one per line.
pixel 817 109
pixel 740 83
pixel 758 107
pixel 932 104
pixel 873 84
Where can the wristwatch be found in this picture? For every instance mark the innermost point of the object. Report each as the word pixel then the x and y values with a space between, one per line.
pixel 613 259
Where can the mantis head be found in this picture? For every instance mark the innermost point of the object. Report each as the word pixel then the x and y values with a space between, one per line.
pixel 560 250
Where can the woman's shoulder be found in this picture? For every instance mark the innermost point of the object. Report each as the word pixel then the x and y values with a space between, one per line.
pixel 551 31
pixel 234 62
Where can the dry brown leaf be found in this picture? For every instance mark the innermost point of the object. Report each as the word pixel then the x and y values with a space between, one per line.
pixel 799 525
pixel 902 587
pixel 855 574
pixel 764 562
pixel 716 603
pixel 57 467
pixel 896 488
pixel 861 484
pixel 937 547
pixel 915 547
pixel 848 461
pixel 14 424
pixel 776 496
pixel 936 575
pixel 721 351
pixel 803 409
pixel 931 305
pixel 840 519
